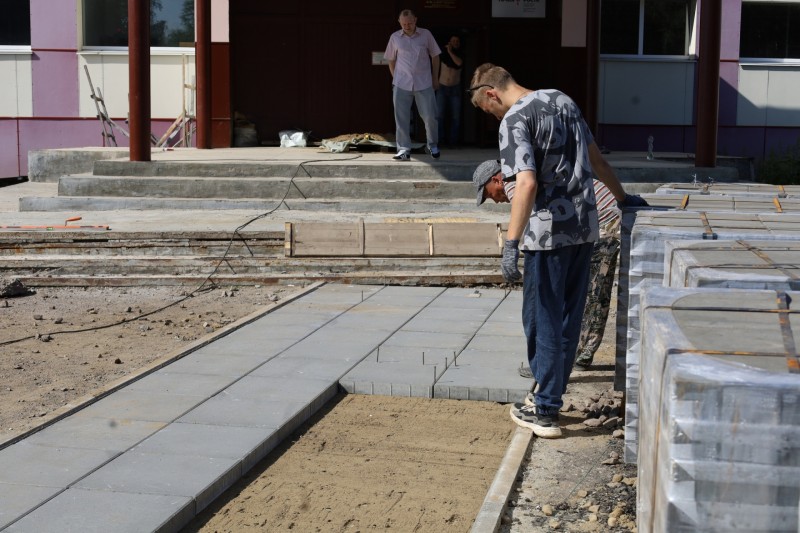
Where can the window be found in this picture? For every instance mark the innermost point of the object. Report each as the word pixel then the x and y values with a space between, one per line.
pixel 105 23
pixel 770 30
pixel 15 23
pixel 645 27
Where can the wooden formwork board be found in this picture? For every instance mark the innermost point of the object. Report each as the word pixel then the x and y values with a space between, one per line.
pixel 393 239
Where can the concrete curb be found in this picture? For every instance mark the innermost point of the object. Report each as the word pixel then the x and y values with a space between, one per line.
pixel 495 502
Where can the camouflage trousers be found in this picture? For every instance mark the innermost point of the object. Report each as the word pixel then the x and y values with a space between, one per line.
pixel 598 298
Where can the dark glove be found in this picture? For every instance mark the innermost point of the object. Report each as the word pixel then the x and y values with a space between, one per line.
pixel 632 200
pixel 509 263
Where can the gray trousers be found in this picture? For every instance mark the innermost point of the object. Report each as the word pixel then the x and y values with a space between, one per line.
pixel 426 104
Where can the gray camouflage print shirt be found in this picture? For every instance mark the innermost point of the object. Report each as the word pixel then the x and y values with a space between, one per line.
pixel 544 132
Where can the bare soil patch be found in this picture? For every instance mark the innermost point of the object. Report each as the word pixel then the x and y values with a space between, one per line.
pixel 371 462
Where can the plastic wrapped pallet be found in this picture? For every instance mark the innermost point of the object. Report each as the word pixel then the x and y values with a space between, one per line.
pixel 646 268
pixel 732 264
pixel 731 189
pixel 720 412
pixel 665 202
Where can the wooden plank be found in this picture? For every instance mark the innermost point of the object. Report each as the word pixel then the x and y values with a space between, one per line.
pixel 418 239
pixel 480 239
pixel 328 239
pixel 396 240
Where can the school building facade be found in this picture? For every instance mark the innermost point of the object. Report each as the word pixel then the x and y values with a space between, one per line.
pixel 316 65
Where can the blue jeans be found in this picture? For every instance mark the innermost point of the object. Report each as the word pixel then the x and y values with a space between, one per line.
pixel 426 105
pixel 554 296
pixel 448 105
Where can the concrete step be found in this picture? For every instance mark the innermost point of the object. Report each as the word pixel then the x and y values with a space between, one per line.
pixel 51 246
pixel 268 188
pixel 633 171
pixel 369 205
pixel 449 170
pixel 137 264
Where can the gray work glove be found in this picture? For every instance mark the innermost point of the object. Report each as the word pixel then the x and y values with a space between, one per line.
pixel 632 200
pixel 509 263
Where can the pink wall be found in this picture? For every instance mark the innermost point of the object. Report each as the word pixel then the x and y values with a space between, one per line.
pixel 9 164
pixel 54 40
pixel 54 24
pixel 55 83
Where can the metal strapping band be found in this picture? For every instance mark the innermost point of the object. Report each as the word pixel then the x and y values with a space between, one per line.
pixel 768 260
pixel 783 191
pixel 792 357
pixel 783 311
pixel 709 233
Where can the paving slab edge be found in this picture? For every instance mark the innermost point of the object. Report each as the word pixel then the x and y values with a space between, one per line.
pixel 171 357
pixel 494 504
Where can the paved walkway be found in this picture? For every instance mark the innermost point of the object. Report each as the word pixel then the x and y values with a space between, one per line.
pixel 151 455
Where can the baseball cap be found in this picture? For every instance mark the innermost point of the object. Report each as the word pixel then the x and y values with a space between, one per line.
pixel 483 174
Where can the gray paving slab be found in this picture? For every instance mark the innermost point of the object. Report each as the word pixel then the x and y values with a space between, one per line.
pixel 205 440
pixel 435 324
pixel 267 388
pixel 17 500
pixel 120 512
pixel 95 433
pixel 514 344
pixel 490 382
pixel 224 411
pixel 287 317
pixel 164 381
pixel 131 405
pixel 231 364
pixel 426 339
pixel 48 466
pixel 506 330
pixel 198 477
pixel 370 319
pixel 288 366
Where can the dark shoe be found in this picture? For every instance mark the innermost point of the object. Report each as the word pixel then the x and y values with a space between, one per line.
pixel 402 156
pixel 525 372
pixel 435 154
pixel 584 359
pixel 544 426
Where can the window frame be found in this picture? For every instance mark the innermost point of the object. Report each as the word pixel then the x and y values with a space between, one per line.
pixel 120 50
pixel 17 49
pixel 766 61
pixel 690 40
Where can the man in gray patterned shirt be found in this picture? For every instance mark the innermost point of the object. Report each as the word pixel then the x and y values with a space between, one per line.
pixel 546 146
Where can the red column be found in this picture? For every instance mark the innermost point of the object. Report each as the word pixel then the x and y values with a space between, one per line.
pixel 139 78
pixel 708 83
pixel 592 62
pixel 203 70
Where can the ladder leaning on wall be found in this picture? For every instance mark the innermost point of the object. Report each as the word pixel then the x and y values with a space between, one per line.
pixel 106 123
pixel 184 124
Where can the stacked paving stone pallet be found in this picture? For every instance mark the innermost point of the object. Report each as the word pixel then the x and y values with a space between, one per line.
pixel 731 189
pixel 720 411
pixel 642 259
pixel 736 264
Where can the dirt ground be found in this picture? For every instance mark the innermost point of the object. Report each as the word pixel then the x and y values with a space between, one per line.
pixel 365 463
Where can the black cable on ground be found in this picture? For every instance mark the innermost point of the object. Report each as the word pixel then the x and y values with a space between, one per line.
pixel 202 287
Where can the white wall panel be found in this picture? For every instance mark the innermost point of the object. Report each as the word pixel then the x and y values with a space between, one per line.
pixel 646 92
pixel 768 95
pixel 16 85
pixel 109 71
